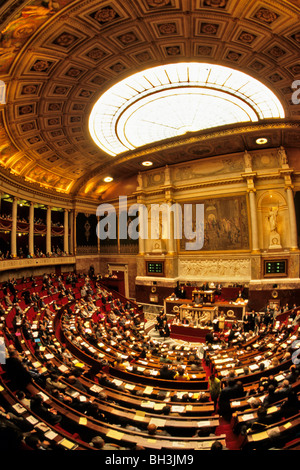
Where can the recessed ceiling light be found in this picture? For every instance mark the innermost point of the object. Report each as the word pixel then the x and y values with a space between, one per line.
pixel 108 179
pixel 261 141
pixel 147 163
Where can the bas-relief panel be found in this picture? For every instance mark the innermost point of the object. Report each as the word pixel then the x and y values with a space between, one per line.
pixel 225 224
pixel 205 169
pixel 266 160
pixel 154 179
pixel 215 269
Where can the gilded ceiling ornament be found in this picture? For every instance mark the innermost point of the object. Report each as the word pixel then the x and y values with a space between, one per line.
pixel 265 15
pixel 105 15
pixel 167 28
pixel 215 3
pixel 158 3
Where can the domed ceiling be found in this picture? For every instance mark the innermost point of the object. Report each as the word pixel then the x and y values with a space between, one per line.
pixel 59 56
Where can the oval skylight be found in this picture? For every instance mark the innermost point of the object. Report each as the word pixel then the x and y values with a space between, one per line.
pixel 170 100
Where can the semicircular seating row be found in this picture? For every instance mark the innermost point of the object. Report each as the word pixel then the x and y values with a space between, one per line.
pixel 111 384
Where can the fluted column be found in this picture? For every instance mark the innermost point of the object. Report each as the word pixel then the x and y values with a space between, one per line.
pixel 31 230
pixel 143 215
pixel 253 214
pixel 287 173
pixel 71 225
pixel 74 233
pixel 66 231
pixel 13 234
pixel 48 233
pixel 98 239
pixel 292 218
pixel 171 241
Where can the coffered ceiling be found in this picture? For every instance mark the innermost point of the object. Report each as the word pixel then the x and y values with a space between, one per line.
pixel 58 57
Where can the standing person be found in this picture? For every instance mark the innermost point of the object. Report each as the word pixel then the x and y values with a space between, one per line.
pixel 214 387
pixel 257 323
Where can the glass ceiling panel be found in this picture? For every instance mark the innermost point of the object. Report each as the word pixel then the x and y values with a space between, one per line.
pixel 167 101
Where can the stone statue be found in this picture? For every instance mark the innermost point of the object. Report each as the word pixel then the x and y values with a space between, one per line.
pixel 273 218
pixel 274 235
pixel 248 160
pixel 282 156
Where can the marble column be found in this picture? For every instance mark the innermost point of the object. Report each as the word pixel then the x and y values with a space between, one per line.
pixel 292 218
pixel 31 230
pixel 171 243
pixel 74 233
pixel 253 216
pixel 71 225
pixel 48 233
pixel 66 231
pixel 13 234
pixel 98 239
pixel 143 225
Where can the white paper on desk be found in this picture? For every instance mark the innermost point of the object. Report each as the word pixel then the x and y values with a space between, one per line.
pixel 159 406
pixel 32 420
pixel 50 435
pixel 178 409
pixel 19 408
pixel 43 395
pixel 147 404
pixel 248 416
pixel 43 427
pixel 178 444
pixel 95 388
pixel 202 424
pixel 117 382
pixel 49 356
pixel 63 368
pixel 158 422
pixel 130 386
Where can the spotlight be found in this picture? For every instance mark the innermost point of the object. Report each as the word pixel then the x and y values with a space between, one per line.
pixel 261 140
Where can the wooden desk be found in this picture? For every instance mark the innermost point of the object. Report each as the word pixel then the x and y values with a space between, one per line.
pixel 232 310
pixel 197 314
pixel 189 333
